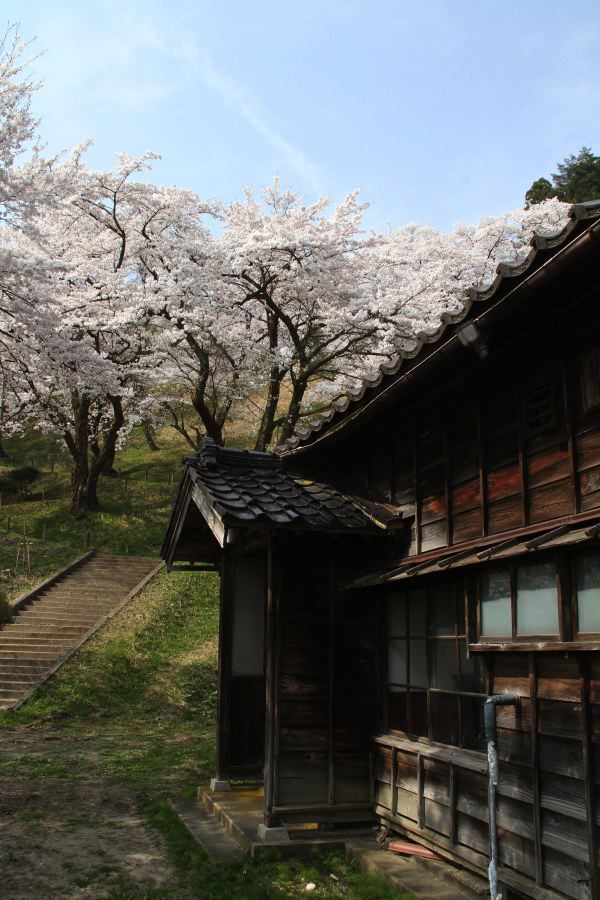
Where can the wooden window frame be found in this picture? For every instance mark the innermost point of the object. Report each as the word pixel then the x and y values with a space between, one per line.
pixel 460 634
pixel 569 636
pixel 514 638
pixel 580 635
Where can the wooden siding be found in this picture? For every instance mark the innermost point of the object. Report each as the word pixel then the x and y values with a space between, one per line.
pixel 549 802
pixel 512 445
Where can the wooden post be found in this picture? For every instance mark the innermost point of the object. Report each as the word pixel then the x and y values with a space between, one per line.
pixel 87 540
pixel 224 674
pixel 7 524
pixel 44 533
pixel 272 679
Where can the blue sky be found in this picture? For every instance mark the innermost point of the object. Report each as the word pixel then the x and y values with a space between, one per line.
pixel 440 110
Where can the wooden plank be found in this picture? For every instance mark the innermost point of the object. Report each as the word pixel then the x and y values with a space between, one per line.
pixel 589 786
pixel 504 514
pixel 551 501
pixel 587 447
pixel 535 770
pixel 213 520
pixel 547 467
pixel 504 482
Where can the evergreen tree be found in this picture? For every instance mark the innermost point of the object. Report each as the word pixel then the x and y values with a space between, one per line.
pixel 577 179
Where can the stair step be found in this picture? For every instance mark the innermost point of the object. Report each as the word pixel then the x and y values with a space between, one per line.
pixel 52 623
pixel 11 693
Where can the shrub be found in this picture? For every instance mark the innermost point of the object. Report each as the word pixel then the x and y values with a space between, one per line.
pixel 19 480
pixel 6 615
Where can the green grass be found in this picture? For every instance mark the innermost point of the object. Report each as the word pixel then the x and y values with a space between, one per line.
pixel 135 507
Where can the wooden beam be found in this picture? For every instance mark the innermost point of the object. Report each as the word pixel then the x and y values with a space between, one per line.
pixel 271 688
pixel 223 698
pixel 212 519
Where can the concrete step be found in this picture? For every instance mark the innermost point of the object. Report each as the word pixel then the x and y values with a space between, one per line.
pixel 70 608
pixel 33 625
pixel 10 680
pixel 10 693
pixel 206 830
pixel 39 618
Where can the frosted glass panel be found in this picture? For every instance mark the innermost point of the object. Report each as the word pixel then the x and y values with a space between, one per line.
pixel 537 602
pixel 444 665
pixel 397 615
pixel 418 664
pixel 397 662
pixel 472 672
pixel 443 612
pixel 495 603
pixel 248 613
pixel 588 593
pixel 418 612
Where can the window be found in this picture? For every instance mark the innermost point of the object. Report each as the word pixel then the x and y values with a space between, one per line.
pixel 587 584
pixel 433 689
pixel 519 601
pixel 539 410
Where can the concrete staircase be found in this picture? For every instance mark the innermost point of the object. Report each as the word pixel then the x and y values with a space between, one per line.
pixel 57 617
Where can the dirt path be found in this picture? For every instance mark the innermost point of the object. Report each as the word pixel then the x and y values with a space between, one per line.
pixel 76 836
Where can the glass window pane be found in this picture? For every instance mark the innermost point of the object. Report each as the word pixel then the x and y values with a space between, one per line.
pixel 588 593
pixel 397 708
pixel 472 672
pixel 443 611
pixel 417 703
pixel 537 601
pixel 397 615
pixel 473 734
pixel 397 662
pixel 444 665
pixel 444 718
pixel 418 612
pixel 418 663
pixel 495 603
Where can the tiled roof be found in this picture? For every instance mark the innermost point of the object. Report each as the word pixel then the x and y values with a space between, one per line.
pixel 247 488
pixel 578 214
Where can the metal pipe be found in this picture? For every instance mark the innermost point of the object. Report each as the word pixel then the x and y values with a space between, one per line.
pixel 491 737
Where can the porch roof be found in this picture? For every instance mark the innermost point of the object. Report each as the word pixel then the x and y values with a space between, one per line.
pixel 547 537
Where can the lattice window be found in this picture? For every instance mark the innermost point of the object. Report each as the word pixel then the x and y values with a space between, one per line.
pixel 539 409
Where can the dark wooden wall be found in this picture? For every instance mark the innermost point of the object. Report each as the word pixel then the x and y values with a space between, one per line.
pixel 549 799
pixel 508 446
pixel 324 707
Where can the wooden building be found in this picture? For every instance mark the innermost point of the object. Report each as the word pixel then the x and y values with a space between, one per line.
pixel 430 542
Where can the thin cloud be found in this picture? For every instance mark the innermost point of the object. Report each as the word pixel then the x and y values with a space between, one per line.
pixel 252 110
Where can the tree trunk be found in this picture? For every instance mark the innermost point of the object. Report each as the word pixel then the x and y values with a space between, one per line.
pixel 267 423
pixel 149 434
pixel 85 475
pixel 3 453
pixel 294 409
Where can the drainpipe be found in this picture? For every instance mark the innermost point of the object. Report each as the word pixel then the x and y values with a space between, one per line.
pixel 491 737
